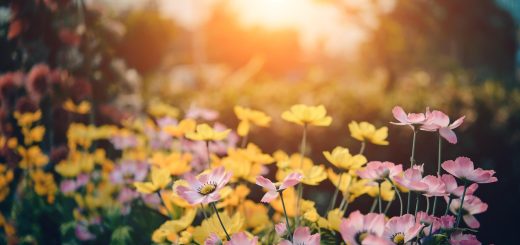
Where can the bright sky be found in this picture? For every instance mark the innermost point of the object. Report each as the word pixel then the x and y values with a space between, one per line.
pixel 339 29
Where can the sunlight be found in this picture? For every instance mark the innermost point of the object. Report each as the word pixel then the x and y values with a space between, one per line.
pixel 273 13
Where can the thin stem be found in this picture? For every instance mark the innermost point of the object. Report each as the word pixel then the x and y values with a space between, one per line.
pixel 345 205
pixel 207 153
pixel 335 196
pixel 220 220
pixel 427 204
pixel 300 185
pixel 379 198
pixel 286 216
pixel 373 207
pixel 399 196
pixel 203 212
pixel 388 205
pixel 459 215
pixel 449 204
pixel 438 172
pixel 362 148
pixel 412 161
pixel 416 204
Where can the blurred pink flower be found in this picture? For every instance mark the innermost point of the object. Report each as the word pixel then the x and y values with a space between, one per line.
pixel 205 187
pixel 123 142
pixel 447 221
pixel 427 221
pixel 407 119
pixel 453 189
pixel 302 235
pixel 213 239
pixel 201 113
pixel 358 226
pixel 437 120
pixel 379 171
pixel 412 180
pixel 272 190
pixel 242 239
pixel 402 229
pixel 457 238
pixel 82 232
pixel 472 205
pixel 463 168
pixel 37 83
pixel 436 186
pixel 280 228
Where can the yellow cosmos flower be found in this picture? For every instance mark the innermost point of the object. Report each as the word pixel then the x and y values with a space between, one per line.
pixel 255 216
pixel 311 215
pixel 44 184
pixel 32 157
pixel 387 191
pixel 12 143
pixel 159 109
pixel 210 225
pixel 241 169
pixel 160 178
pixel 358 187
pixel 341 158
pixel 77 162
pixel 6 176
pixel 251 153
pixel 235 197
pixel 346 180
pixel 176 163
pixel 333 220
pixel 312 174
pixel 33 135
pixel 182 128
pixel 206 133
pixel 171 228
pixel 28 118
pixel 307 115
pixel 289 197
pixel 365 131
pixel 248 116
pixel 82 108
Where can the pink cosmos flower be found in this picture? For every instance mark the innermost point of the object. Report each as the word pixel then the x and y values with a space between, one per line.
pixel 375 240
pixel 437 120
pixel 427 221
pixel 205 187
pixel 201 113
pixel 280 229
pixel 463 168
pixel 242 239
pixel 447 221
pixel 407 119
pixel 401 230
pixel 302 235
pixel 453 189
pixel 357 227
pixel 379 171
pixel 457 238
pixel 213 239
pixel 273 189
pixel 472 205
pixel 412 180
pixel 436 186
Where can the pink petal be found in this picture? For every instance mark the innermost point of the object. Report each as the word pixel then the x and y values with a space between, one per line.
pixel 301 235
pixel 266 183
pixel 471 221
pixel 457 122
pixel 399 114
pixel 269 196
pixel 448 134
pixel 291 180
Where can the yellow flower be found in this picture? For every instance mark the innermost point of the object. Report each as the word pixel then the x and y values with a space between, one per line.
pixel 241 168
pixel 312 174
pixel 82 108
pixel 159 109
pixel 365 131
pixel 206 133
pixel 289 197
pixel 346 180
pixel 185 126
pixel 311 215
pixel 12 143
pixel 248 116
pixel 255 216
pixel 28 118
pixel 251 153
pixel 44 184
pixel 160 179
pixel 307 115
pixel 333 220
pixel 33 135
pixel 341 158
pixel 32 157
pixel 235 197
pixel 176 163
pixel 170 229
pixel 210 225
pixel 357 188
pixel 387 191
pixel 6 176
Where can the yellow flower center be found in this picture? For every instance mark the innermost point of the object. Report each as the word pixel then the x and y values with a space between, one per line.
pixel 398 239
pixel 361 236
pixel 207 189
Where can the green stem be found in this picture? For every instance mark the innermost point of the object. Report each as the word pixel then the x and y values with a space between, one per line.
pixel 459 215
pixel 438 172
pixel 379 198
pixel 208 153
pixel 286 216
pixel 203 212
pixel 220 220
pixel 412 161
pixel 388 205
pixel 427 204
pixel 449 204
pixel 362 149
pixel 300 185
pixel 398 195
pixel 416 204
pixel 373 207
pixel 335 196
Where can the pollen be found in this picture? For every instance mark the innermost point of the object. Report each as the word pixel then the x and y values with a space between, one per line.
pixel 207 189
pixel 398 238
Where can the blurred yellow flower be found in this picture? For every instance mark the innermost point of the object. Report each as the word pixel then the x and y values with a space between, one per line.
pixel 387 191
pixel 28 118
pixel 251 153
pixel 235 197
pixel 248 116
pixel 44 184
pixel 210 225
pixel 346 180
pixel 159 109
pixel 307 115
pixel 311 215
pixel 32 157
pixel 341 158
pixel 357 188
pixel 160 178
pixel 333 220
pixel 33 135
pixel 82 108
pixel 6 176
pixel 312 174
pixel 182 128
pixel 255 216
pixel 170 229
pixel 206 133
pixel 365 131
pixel 176 163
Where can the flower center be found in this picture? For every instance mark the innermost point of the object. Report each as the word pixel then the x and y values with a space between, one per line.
pixel 207 189
pixel 398 238
pixel 361 236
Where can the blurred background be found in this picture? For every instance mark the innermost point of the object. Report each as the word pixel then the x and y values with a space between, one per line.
pixel 357 57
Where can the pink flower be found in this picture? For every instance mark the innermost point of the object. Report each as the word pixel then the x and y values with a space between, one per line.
pixel 379 171
pixel 201 113
pixel 205 187
pixel 272 189
pixel 463 168
pixel 213 239
pixel 242 239
pixel 457 238
pixel 375 240
pixel 447 221
pixel 357 227
pixel 472 205
pixel 427 221
pixel 280 229
pixel 412 180
pixel 453 189
pixel 436 186
pixel 82 233
pixel 402 229
pixel 302 235
pixel 407 119
pixel 437 120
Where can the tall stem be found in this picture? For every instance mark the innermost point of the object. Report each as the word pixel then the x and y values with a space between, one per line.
pixel 208 154
pixel 335 196
pixel 459 215
pixel 373 207
pixel 286 216
pixel 398 195
pixel 412 161
pixel 300 185
pixel 438 172
pixel 449 204
pixel 362 148
pixel 427 204
pixel 202 210
pixel 220 220
pixel 379 198
pixel 416 204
